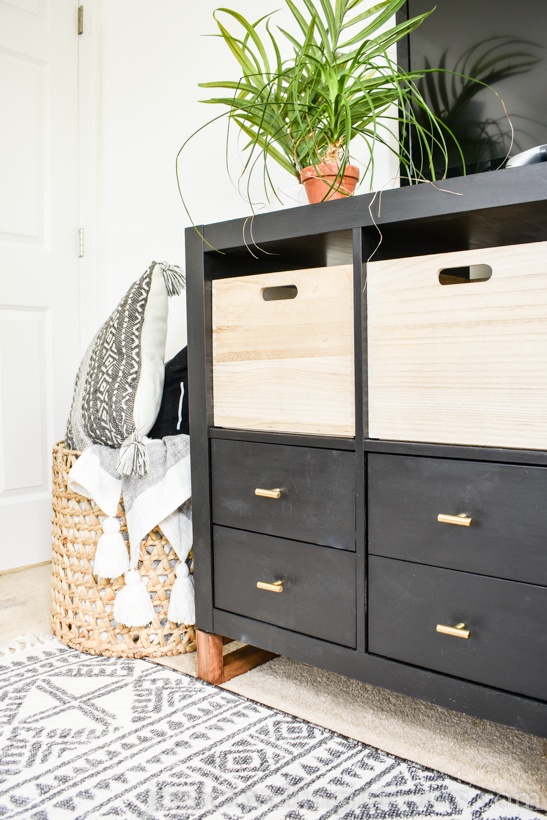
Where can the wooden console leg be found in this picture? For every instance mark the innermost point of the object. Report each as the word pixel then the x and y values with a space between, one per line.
pixel 214 667
pixel 210 658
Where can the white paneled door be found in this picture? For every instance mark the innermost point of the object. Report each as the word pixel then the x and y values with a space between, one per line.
pixel 39 287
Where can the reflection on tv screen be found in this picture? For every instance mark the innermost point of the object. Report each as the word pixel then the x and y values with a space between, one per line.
pixel 479 43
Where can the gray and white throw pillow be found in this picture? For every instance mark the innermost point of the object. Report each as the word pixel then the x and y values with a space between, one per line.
pixel 119 384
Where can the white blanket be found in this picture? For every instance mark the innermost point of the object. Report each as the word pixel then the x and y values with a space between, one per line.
pixel 161 498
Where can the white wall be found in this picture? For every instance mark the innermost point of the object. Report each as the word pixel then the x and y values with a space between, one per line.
pixel 153 55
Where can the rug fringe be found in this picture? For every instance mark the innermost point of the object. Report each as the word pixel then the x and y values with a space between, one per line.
pixel 24 642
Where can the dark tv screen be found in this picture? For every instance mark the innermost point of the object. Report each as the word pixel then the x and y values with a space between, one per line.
pixel 499 42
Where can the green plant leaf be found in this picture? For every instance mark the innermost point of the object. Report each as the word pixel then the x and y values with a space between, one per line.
pixel 364 15
pixel 228 84
pixel 273 152
pixel 389 9
pixel 278 60
pixel 289 37
pixel 391 36
pixel 353 3
pixel 249 68
pixel 250 29
pixel 339 12
pixel 301 20
pixel 330 18
pixel 319 24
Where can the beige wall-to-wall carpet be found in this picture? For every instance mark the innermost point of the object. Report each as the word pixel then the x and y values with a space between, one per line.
pixel 25 602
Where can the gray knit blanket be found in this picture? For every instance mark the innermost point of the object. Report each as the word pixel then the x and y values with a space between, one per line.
pixel 161 497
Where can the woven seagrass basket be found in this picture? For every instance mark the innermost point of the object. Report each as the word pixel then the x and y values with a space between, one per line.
pixel 82 605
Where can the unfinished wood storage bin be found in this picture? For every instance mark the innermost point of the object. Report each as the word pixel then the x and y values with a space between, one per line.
pixel 283 352
pixel 463 362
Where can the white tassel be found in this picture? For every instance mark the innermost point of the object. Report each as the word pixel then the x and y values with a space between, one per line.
pixel 182 609
pixel 133 606
pixel 174 278
pixel 133 456
pixel 112 556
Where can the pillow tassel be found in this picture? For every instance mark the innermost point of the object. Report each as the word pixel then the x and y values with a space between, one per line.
pixel 111 557
pixel 133 606
pixel 174 278
pixel 181 603
pixel 133 456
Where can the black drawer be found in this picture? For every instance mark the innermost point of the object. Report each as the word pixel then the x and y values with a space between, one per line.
pixel 318 596
pixel 507 505
pixel 317 491
pixel 507 623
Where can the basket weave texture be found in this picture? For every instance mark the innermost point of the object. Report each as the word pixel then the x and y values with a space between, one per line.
pixel 82 605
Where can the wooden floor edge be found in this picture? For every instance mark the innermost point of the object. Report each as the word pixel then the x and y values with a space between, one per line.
pixel 20 569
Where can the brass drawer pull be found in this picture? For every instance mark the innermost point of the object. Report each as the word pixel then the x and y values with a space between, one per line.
pixel 277 586
pixel 459 631
pixel 460 519
pixel 269 493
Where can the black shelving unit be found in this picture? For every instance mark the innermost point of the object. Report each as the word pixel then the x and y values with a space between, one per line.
pixel 501 208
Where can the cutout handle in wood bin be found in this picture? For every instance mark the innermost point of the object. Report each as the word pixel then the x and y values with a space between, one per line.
pixel 274 294
pixel 465 274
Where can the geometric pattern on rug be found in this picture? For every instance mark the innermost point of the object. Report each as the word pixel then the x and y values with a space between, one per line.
pixel 92 737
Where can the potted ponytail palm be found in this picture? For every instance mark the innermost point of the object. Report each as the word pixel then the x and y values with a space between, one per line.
pixel 338 82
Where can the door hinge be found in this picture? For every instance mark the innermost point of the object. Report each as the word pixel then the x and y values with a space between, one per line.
pixel 80 19
pixel 81 242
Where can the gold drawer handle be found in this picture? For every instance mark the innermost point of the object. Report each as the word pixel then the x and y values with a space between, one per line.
pixel 459 631
pixel 277 586
pixel 460 519
pixel 269 493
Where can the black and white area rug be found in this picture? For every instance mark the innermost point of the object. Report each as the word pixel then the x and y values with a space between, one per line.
pixel 91 737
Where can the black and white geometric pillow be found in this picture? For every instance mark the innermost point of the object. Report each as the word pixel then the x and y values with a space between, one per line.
pixel 119 384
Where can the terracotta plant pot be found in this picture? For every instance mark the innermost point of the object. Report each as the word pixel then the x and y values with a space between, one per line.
pixel 321 184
